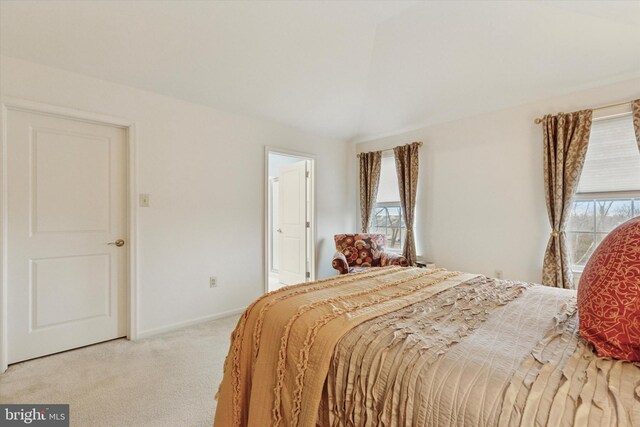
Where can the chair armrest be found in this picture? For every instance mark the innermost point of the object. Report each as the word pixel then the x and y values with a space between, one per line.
pixel 339 262
pixel 392 258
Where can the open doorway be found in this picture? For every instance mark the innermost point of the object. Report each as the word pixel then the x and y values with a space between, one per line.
pixel 290 218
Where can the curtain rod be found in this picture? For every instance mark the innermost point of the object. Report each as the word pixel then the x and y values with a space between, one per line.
pixel 391 149
pixel 538 120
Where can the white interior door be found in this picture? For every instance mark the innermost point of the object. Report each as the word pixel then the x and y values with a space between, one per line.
pixel 66 203
pixel 293 223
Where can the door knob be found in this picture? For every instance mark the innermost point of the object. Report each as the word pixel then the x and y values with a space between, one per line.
pixel 279 231
pixel 118 243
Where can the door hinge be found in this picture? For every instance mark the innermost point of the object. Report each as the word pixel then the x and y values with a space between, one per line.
pixel 308 224
pixel 308 275
pixel 306 174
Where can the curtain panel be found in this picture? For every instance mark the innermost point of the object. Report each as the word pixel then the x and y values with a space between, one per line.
pixel 635 107
pixel 407 169
pixel 370 164
pixel 566 138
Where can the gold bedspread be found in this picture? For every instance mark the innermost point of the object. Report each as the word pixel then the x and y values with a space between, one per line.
pixel 419 347
pixel 283 343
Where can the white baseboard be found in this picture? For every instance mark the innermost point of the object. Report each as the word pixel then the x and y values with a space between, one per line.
pixel 155 331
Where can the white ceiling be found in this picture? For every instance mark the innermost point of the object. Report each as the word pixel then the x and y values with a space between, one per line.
pixel 345 69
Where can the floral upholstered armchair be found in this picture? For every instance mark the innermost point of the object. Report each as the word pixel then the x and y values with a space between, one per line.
pixel 357 252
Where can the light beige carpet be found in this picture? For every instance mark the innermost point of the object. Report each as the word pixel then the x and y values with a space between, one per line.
pixel 166 380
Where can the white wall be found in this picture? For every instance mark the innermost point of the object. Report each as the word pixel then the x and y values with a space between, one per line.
pixel 204 171
pixel 480 203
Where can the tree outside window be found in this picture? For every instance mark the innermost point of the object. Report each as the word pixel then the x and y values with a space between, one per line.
pixel 387 219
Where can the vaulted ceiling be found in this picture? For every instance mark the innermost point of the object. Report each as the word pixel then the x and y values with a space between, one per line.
pixel 345 69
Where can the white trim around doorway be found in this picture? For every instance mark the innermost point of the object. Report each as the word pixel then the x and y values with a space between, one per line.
pixel 6 104
pixel 313 214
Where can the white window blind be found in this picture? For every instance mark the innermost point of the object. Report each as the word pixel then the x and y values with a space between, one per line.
pixel 388 188
pixel 613 158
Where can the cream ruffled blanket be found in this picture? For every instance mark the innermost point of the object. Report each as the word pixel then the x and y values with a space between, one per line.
pixel 377 348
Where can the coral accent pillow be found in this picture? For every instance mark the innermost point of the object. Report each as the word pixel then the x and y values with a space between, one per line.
pixel 609 294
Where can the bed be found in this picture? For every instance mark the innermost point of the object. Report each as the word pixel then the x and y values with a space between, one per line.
pixel 420 347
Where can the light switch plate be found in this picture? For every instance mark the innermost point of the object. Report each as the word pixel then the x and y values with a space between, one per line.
pixel 144 200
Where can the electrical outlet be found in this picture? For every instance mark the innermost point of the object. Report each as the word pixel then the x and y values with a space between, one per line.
pixel 213 281
pixel 498 274
pixel 144 200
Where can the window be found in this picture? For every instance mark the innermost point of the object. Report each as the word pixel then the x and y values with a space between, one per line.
pixel 609 189
pixel 387 214
pixel 592 219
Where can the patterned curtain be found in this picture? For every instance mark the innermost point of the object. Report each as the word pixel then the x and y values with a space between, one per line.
pixel 370 164
pixel 635 106
pixel 566 137
pixel 407 170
